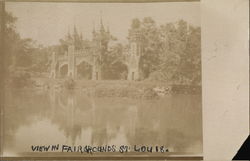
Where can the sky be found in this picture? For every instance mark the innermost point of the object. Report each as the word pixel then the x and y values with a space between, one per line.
pixel 48 22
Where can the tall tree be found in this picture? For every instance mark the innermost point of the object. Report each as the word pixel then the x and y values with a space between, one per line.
pixel 171 52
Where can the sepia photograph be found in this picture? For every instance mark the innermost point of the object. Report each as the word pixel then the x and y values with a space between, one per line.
pixel 102 79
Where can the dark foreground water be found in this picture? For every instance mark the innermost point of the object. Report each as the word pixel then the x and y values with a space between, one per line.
pixel 33 117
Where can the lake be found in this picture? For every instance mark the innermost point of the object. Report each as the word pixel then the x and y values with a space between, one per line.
pixel 47 117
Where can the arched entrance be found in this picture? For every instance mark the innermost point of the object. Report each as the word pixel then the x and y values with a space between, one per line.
pixel 84 71
pixel 123 71
pixel 63 71
pixel 117 71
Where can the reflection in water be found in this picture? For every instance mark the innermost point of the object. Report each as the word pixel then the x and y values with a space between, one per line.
pixel 72 118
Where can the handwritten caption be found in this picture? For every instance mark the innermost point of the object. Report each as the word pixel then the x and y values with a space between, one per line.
pixel 99 149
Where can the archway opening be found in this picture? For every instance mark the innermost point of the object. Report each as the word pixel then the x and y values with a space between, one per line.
pixel 122 71
pixel 116 71
pixel 84 71
pixel 64 70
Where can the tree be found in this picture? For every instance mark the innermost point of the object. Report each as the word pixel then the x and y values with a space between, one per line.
pixel 11 40
pixel 171 52
pixel 181 56
pixel 150 39
pixel 24 54
pixel 113 67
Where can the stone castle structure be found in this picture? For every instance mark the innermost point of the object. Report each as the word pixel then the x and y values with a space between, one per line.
pixel 134 55
pixel 93 54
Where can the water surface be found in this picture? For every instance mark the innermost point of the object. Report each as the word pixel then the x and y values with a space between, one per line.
pixel 49 117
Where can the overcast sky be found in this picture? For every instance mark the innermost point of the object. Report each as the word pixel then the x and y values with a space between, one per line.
pixel 48 22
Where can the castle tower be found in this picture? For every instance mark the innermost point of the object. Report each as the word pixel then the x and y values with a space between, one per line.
pixel 53 66
pixel 71 61
pixel 101 39
pixel 135 53
pixel 96 70
pixel 102 30
pixel 104 37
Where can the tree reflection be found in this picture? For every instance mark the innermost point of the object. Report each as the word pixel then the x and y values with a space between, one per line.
pixel 100 121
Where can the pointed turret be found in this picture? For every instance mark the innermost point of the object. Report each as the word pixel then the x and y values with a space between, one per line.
pixel 81 38
pixel 68 34
pixel 75 32
pixel 101 26
pixel 108 29
pixel 69 37
pixel 93 31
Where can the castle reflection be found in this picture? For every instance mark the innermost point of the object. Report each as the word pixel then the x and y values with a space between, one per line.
pixel 73 118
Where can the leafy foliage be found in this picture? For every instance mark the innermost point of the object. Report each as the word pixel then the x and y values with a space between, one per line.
pixel 171 52
pixel 113 66
pixel 22 52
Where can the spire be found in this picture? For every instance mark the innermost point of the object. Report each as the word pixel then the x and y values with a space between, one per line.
pixel 101 23
pixel 108 28
pixel 75 30
pixel 102 27
pixel 81 36
pixel 93 28
pixel 68 35
pixel 75 35
pixel 68 30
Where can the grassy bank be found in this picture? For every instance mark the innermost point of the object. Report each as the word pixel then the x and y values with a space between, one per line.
pixel 114 88
pixel 122 88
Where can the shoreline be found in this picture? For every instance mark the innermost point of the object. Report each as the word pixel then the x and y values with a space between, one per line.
pixel 113 88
